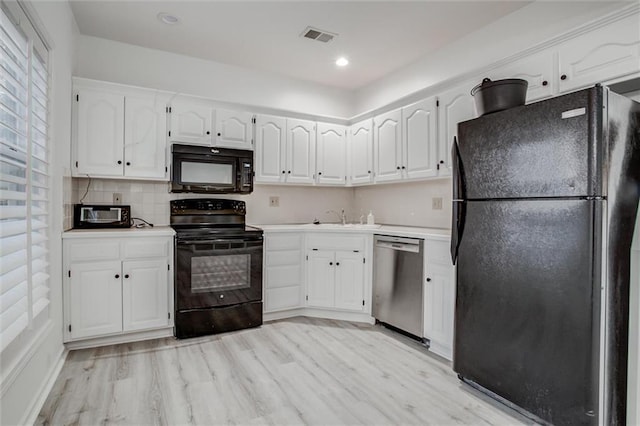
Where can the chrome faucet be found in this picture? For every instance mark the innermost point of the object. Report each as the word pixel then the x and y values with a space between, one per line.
pixel 341 216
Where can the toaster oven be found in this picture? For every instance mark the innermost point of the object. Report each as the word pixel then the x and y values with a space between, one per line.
pixel 101 216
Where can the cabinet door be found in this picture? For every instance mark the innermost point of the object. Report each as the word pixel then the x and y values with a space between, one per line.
pixel 331 154
pixel 439 302
pixel 191 123
pixel 283 280
pixel 234 129
pixel 95 291
pixel 98 133
pixel 145 294
pixel 270 155
pixel 600 55
pixel 361 152
pixel 145 139
pixel 301 148
pixel 349 281
pixel 537 69
pixel 419 139
pixel 387 140
pixel 456 105
pixel 320 278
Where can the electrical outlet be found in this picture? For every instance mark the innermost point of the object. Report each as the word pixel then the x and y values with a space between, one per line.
pixel 436 203
pixel 117 198
pixel 274 201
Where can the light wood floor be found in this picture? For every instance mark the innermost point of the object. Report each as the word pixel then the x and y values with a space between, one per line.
pixel 296 371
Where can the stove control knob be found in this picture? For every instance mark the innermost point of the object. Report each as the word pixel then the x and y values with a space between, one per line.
pixel 222 296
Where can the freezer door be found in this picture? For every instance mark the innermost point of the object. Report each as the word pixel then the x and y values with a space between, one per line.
pixel 546 149
pixel 527 305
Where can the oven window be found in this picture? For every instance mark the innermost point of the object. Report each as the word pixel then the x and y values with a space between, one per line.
pixel 215 273
pixel 207 173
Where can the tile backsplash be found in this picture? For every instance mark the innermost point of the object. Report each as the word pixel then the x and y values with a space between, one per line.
pixel 150 200
pixel 408 203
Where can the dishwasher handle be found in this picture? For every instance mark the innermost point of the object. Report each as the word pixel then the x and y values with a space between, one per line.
pixel 412 246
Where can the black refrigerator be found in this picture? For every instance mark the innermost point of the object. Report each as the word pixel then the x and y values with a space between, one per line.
pixel 545 198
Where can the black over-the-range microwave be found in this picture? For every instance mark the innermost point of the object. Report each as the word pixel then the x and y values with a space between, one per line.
pixel 210 170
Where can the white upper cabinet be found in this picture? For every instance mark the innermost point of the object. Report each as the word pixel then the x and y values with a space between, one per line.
pixel 603 54
pixel 191 123
pixel 144 138
pixel 419 137
pixel 119 135
pixel 361 152
pixel 331 154
pixel 387 141
pixel 456 105
pixel 301 148
pixel 271 141
pixel 98 133
pixel 537 69
pixel 234 129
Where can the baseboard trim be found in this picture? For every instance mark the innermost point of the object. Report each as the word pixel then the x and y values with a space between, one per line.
pixel 320 313
pixel 36 406
pixel 120 338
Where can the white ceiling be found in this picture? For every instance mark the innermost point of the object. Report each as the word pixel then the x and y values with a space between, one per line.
pixel 378 37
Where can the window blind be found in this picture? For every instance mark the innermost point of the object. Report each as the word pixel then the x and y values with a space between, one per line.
pixel 24 178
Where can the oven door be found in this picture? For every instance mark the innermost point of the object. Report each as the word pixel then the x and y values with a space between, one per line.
pixel 218 272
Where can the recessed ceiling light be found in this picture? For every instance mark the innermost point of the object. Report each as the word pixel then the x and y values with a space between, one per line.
pixel 168 18
pixel 342 62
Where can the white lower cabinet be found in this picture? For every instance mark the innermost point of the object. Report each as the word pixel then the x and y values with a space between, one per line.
pixel 283 277
pixel 439 297
pixel 116 285
pixel 336 271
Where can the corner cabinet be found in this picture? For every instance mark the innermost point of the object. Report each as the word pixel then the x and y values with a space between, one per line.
pixel 361 152
pixel 117 285
pixel 118 135
pixel 387 151
pixel 331 154
pixel 439 296
pixel 336 272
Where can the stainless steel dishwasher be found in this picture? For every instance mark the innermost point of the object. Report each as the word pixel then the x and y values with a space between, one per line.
pixel 398 267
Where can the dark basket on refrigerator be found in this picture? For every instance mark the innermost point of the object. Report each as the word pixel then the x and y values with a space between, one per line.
pixel 492 96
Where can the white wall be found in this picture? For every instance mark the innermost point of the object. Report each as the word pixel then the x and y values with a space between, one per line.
pixel 407 204
pixel 515 32
pixel 27 386
pixel 102 59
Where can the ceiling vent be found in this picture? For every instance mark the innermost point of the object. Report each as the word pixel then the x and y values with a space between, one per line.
pixel 318 35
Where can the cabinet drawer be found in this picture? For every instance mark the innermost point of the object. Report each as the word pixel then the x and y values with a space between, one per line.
pixel 336 242
pixel 283 242
pixel 145 248
pixel 80 251
pixel 437 252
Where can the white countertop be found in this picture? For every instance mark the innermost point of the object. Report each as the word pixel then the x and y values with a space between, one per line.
pixel 399 231
pixel 156 231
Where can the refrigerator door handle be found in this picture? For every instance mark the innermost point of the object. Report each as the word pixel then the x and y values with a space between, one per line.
pixel 458 210
pixel 459 190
